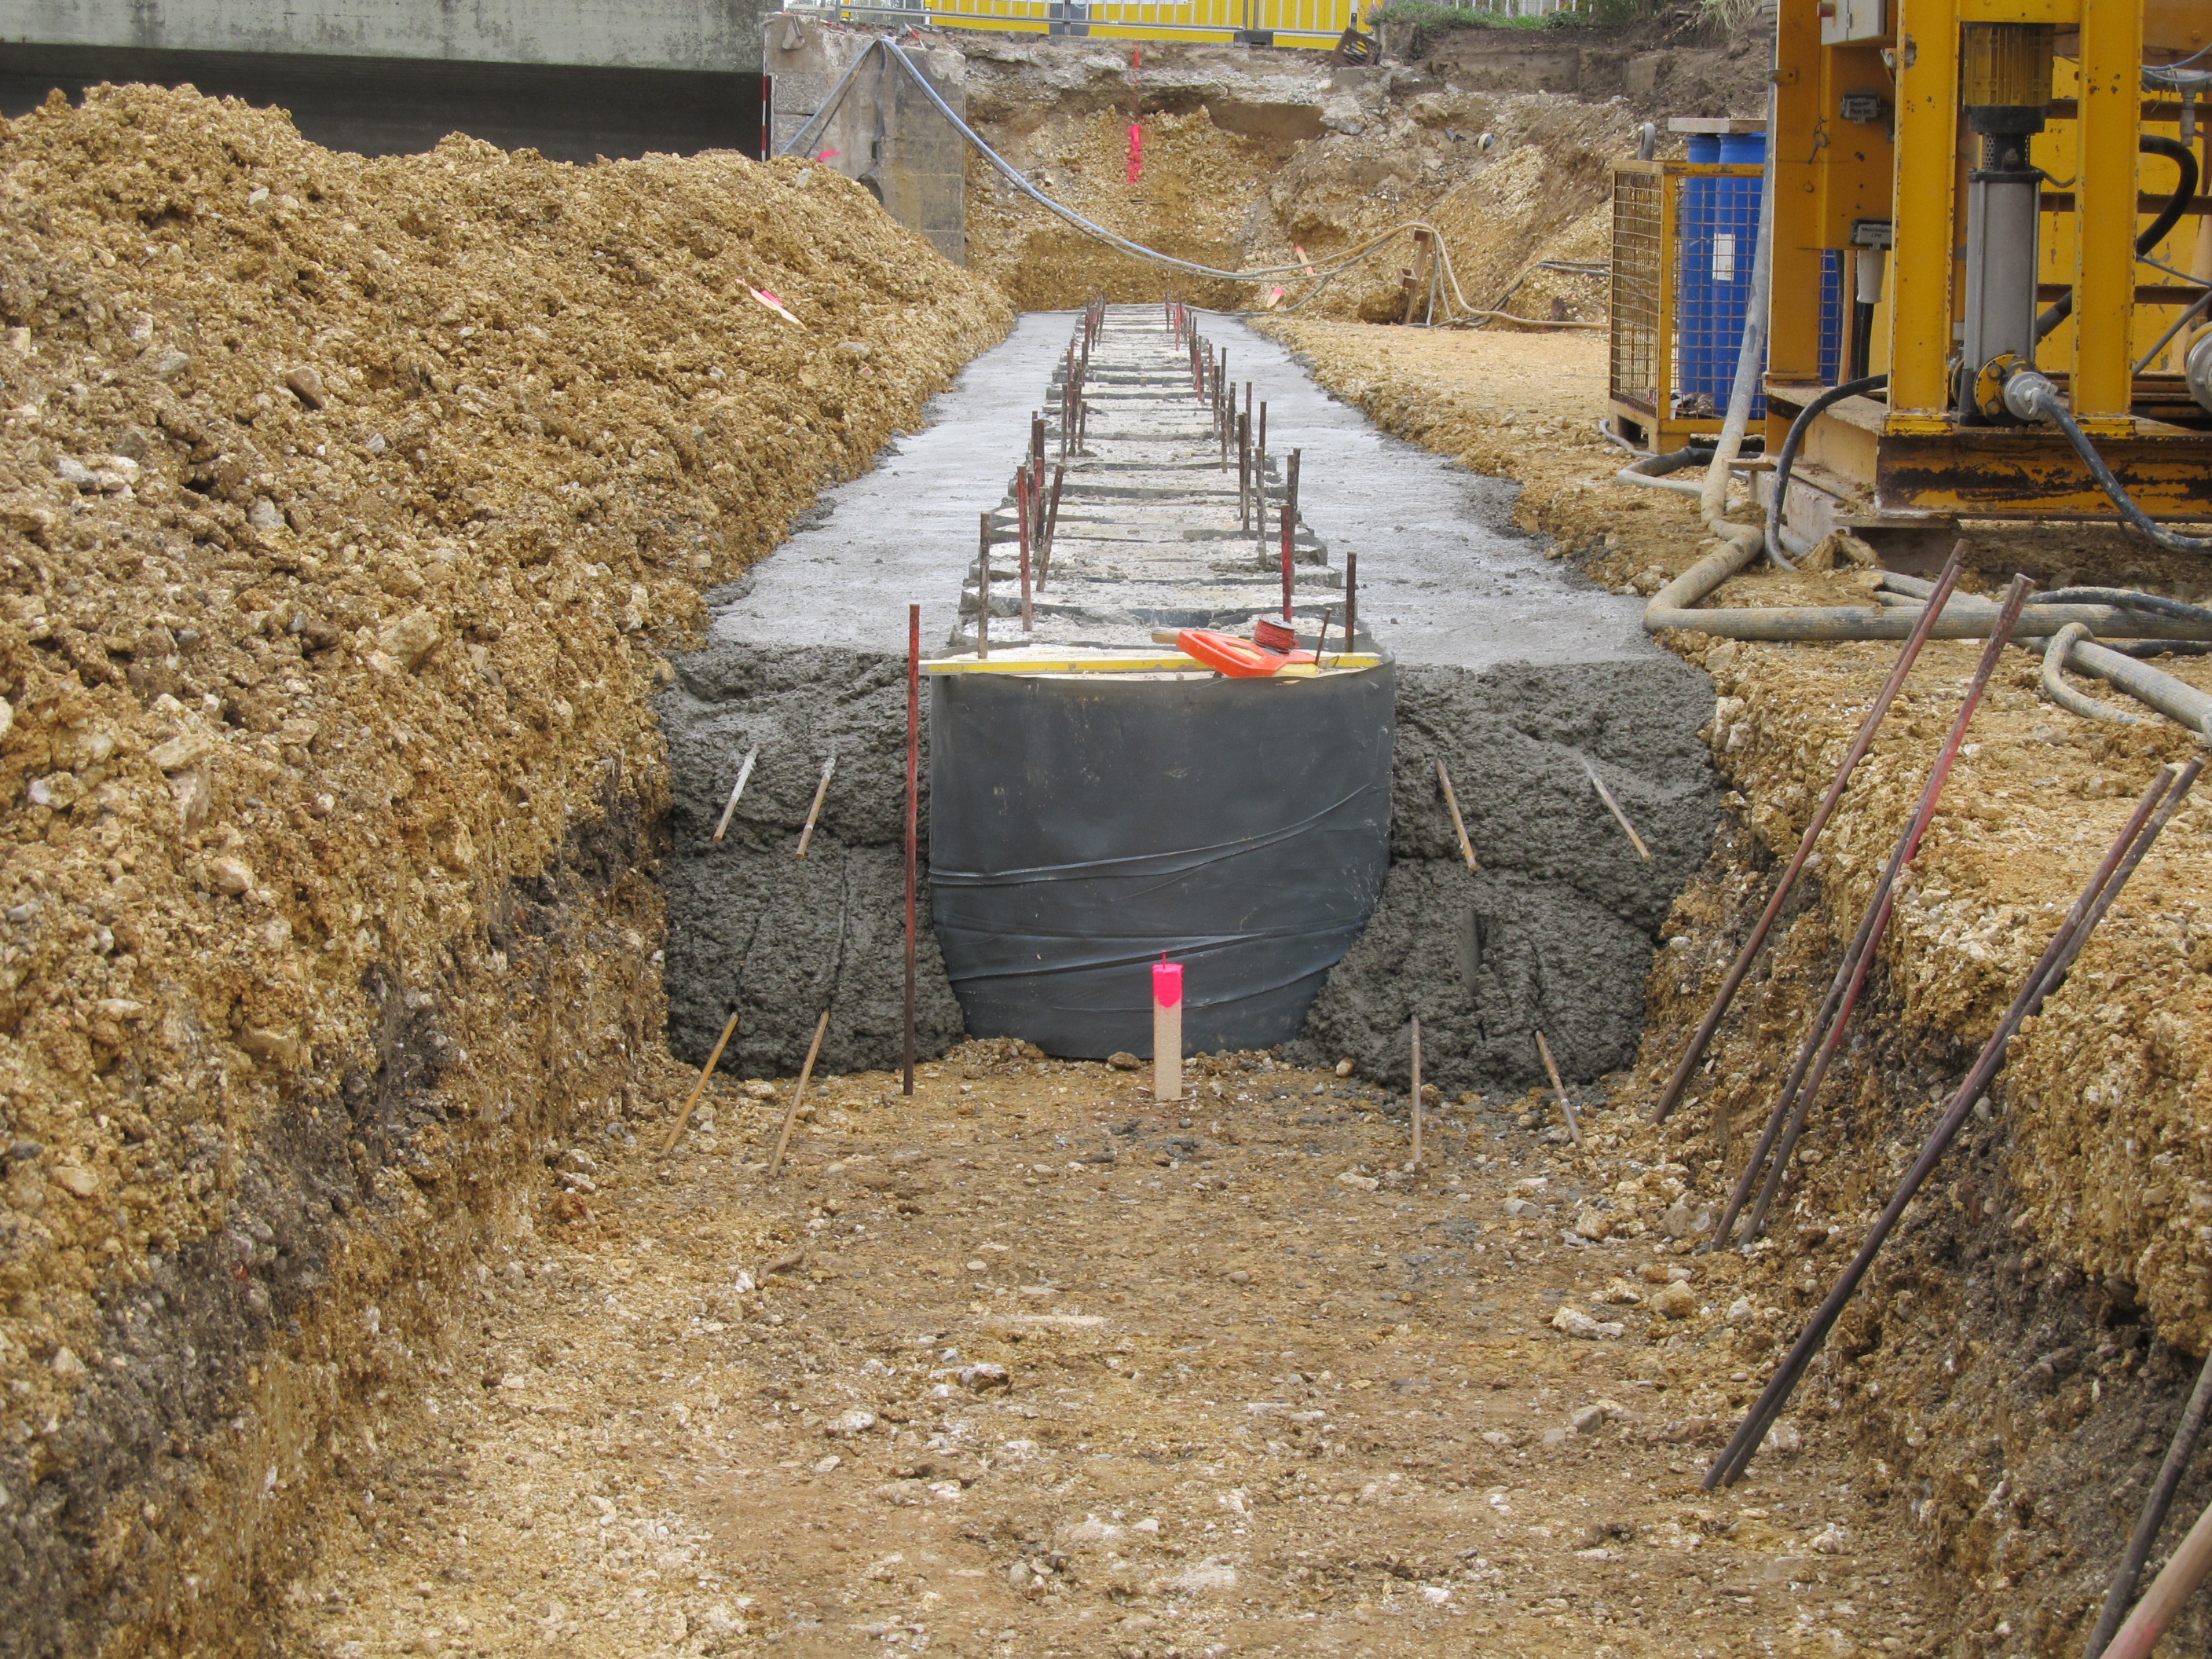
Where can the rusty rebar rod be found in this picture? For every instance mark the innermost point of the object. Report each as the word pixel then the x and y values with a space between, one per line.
pixel 1680 1078
pixel 2158 804
pixel 1826 1033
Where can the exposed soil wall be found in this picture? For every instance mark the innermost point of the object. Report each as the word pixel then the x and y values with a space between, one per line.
pixel 1502 139
pixel 345 506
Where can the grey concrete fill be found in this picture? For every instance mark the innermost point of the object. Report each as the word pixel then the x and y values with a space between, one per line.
pixel 1444 579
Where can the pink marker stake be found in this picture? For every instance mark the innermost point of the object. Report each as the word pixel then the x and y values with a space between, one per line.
pixel 1167 1030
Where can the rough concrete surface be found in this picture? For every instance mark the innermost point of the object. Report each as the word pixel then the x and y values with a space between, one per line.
pixel 752 924
pixel 1555 932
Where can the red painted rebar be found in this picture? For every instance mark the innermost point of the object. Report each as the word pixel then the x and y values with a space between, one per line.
pixel 1672 1094
pixel 1051 525
pixel 1022 514
pixel 1859 960
pixel 913 817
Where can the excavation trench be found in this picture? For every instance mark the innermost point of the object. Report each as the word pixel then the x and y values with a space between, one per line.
pixel 1526 680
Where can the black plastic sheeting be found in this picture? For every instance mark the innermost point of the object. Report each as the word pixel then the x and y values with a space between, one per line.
pixel 1082 826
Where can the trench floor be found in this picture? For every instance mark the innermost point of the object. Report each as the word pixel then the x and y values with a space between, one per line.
pixel 1032 1364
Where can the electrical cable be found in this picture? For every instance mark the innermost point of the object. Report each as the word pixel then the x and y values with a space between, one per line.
pixel 1787 459
pixel 2182 156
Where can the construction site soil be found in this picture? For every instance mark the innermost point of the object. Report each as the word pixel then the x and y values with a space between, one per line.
pixel 347 512
pixel 1502 140
pixel 346 508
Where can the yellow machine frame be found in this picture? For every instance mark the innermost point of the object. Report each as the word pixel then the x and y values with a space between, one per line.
pixel 1906 461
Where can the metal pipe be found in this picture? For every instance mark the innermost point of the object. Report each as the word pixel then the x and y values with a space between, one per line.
pixel 2168 1594
pixel 1860 745
pixel 1859 959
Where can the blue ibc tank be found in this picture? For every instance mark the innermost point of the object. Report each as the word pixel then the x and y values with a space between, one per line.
pixel 1720 233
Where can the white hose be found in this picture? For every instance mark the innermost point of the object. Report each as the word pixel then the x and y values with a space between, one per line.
pixel 1713 499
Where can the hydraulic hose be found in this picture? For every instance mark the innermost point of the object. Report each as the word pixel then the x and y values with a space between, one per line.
pixel 2152 234
pixel 2032 396
pixel 2056 689
pixel 1825 401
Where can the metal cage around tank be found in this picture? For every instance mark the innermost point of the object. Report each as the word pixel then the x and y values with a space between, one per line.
pixel 1682 250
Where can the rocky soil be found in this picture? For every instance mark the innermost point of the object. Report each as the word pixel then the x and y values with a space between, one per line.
pixel 346 508
pixel 1502 140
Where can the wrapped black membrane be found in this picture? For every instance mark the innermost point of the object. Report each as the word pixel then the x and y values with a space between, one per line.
pixel 1082 826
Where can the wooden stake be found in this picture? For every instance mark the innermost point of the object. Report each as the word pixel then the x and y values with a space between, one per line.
pixel 1566 1106
pixel 806 1075
pixel 745 771
pixel 1606 795
pixel 814 811
pixel 1416 1163
pixel 1451 801
pixel 700 1088
pixel 1167 1030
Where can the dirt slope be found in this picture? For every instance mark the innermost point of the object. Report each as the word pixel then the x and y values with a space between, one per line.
pixel 345 506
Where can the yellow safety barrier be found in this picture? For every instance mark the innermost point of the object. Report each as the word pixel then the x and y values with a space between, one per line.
pixel 1311 23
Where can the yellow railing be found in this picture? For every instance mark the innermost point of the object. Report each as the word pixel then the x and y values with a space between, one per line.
pixel 1316 23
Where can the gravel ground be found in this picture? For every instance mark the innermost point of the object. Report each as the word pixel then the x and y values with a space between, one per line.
pixel 1033 1364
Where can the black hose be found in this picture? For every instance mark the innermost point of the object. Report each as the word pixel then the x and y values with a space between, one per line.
pixel 2181 155
pixel 1862 362
pixel 2043 401
pixel 2127 599
pixel 1826 400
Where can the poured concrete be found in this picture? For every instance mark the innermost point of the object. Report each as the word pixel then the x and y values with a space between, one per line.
pixel 1444 579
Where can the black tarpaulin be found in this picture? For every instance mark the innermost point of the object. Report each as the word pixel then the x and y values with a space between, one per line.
pixel 1082 826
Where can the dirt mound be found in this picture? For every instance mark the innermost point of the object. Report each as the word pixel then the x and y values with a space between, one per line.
pixel 344 506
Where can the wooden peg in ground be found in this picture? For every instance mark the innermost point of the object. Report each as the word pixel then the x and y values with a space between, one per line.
pixel 813 812
pixel 798 1094
pixel 1606 795
pixel 700 1087
pixel 1559 1089
pixel 1466 847
pixel 745 771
